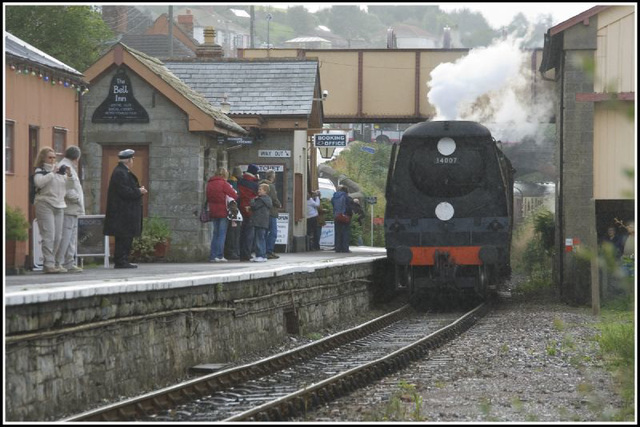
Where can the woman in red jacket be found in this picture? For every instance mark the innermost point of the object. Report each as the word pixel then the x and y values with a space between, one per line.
pixel 217 191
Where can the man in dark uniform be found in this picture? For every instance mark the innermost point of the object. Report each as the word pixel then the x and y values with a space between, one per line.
pixel 124 209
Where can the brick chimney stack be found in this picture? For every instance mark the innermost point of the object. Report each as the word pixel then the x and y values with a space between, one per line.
pixel 186 22
pixel 209 49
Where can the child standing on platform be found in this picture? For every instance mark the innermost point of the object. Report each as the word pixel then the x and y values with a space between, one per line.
pixel 260 207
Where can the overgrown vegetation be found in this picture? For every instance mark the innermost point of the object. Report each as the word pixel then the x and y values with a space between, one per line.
pixel 532 251
pixel 369 170
pixel 617 345
pixel 397 408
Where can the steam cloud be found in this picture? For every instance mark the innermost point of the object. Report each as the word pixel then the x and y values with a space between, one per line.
pixel 492 86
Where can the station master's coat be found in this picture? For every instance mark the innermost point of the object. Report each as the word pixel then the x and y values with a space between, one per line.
pixel 124 204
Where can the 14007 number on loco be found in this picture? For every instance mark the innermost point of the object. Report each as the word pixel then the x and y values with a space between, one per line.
pixel 448 220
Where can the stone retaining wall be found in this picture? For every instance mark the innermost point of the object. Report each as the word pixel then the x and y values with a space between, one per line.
pixel 66 357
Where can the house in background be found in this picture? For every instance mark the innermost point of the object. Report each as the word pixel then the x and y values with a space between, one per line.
pixel 126 19
pixel 308 43
pixel 591 60
pixel 228 35
pixel 412 37
pixel 139 31
pixel 43 99
pixel 182 29
pixel 157 45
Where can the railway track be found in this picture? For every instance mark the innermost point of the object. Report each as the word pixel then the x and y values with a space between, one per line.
pixel 290 383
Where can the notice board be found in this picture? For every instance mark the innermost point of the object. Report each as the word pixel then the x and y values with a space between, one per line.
pixel 91 239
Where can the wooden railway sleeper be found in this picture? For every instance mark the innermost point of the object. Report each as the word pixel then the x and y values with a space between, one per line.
pixel 275 414
pixel 291 409
pixel 140 410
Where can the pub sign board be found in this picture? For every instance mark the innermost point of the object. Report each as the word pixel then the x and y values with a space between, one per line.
pixel 120 106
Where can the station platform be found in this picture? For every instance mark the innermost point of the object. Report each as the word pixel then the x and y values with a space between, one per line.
pixel 74 340
pixel 36 287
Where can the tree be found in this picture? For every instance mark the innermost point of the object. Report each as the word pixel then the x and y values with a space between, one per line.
pixel 302 22
pixel 353 24
pixel 75 35
pixel 473 27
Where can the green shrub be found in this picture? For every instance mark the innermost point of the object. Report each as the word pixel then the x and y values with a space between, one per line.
pixel 356 230
pixel 532 251
pixel 617 346
pixel 17 227
pixel 154 231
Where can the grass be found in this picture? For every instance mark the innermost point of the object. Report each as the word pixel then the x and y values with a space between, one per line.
pixel 616 339
pixel 404 404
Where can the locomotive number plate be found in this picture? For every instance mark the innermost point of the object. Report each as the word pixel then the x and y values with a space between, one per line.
pixel 445 160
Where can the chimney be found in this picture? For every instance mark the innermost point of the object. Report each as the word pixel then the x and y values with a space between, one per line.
pixel 209 49
pixel 186 22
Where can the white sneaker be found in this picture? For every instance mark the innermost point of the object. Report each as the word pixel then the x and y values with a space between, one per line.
pixel 74 269
pixel 259 259
pixel 61 269
pixel 223 259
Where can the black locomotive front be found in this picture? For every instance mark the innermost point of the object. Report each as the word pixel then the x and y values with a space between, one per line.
pixel 448 218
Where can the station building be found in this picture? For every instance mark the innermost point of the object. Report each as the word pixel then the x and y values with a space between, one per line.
pixel 186 118
pixel 590 59
pixel 42 104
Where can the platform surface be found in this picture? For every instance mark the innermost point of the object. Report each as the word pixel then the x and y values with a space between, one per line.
pixel 38 287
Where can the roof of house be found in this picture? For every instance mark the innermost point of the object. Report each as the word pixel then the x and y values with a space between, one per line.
pixel 157 45
pixel 580 18
pixel 310 39
pixel 199 109
pixel 275 87
pixel 21 49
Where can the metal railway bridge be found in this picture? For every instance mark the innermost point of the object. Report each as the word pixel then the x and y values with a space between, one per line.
pixel 379 85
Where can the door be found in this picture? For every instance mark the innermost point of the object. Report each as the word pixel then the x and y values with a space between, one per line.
pixel 140 169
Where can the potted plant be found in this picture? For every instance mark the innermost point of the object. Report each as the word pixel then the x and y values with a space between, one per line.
pixel 16 236
pixel 154 240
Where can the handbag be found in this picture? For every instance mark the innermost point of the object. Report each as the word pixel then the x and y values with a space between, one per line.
pixel 204 213
pixel 343 219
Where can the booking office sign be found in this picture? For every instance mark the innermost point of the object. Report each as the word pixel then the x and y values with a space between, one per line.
pixel 328 142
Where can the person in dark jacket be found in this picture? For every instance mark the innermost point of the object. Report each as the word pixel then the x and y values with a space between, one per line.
pixel 260 207
pixel 123 218
pixel 232 242
pixel 218 189
pixel 248 189
pixel 617 240
pixel 342 205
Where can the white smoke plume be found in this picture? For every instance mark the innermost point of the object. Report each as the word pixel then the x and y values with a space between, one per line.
pixel 491 86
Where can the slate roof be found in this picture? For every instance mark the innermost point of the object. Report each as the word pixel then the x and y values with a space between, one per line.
pixel 156 66
pixel 274 87
pixel 21 49
pixel 157 45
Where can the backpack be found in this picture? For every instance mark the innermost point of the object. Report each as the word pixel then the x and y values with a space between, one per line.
pixel 33 190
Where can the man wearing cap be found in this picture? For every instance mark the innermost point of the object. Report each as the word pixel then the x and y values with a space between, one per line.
pixel 124 209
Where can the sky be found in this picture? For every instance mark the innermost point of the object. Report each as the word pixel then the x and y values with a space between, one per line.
pixel 496 14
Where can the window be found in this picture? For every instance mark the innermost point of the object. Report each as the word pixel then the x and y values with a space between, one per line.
pixel 9 148
pixel 59 140
pixel 34 143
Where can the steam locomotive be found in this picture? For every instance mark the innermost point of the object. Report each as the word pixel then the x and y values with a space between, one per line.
pixel 449 213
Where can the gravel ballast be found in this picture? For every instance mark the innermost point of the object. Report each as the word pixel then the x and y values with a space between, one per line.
pixel 529 360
